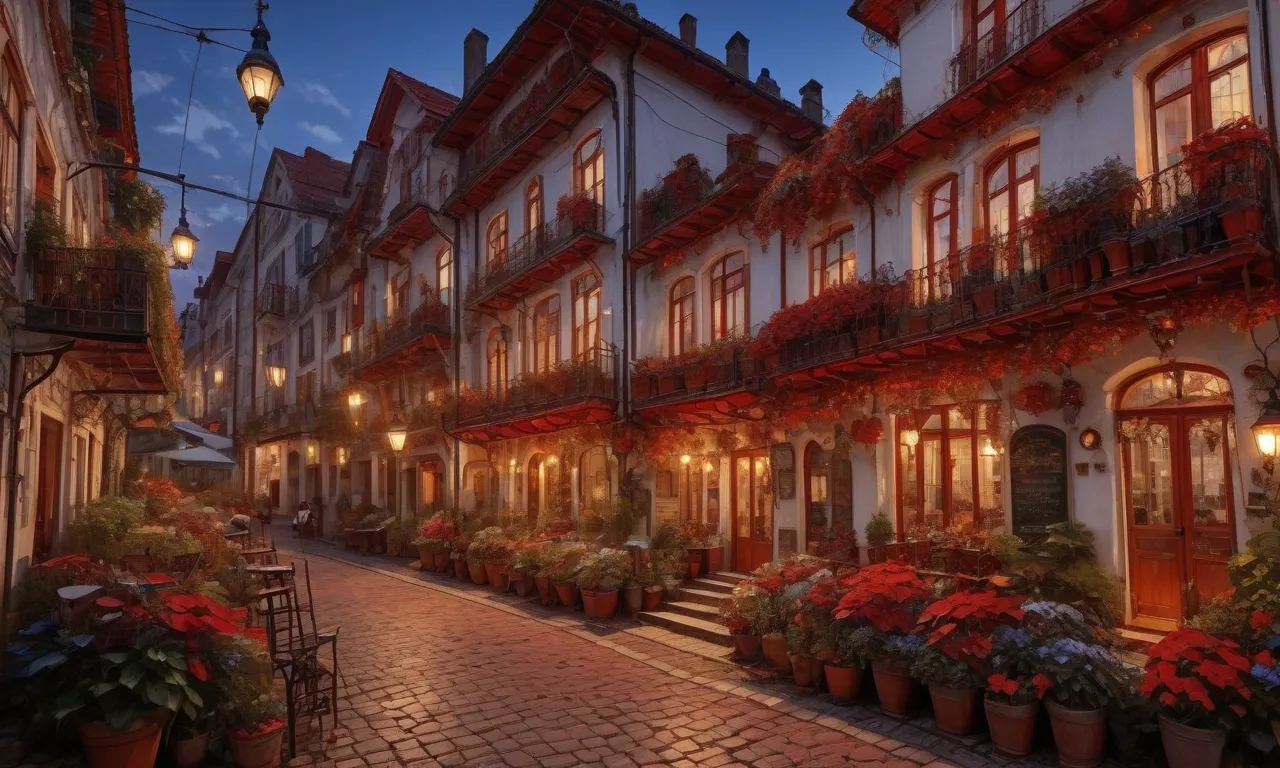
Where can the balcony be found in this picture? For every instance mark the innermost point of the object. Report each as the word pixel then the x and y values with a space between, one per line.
pixel 538 258
pixel 575 393
pixel 408 225
pixel 90 293
pixel 410 343
pixel 276 299
pixel 978 56
pixel 670 217
pixel 570 89
pixel 1190 229
pixel 702 391
pixel 288 421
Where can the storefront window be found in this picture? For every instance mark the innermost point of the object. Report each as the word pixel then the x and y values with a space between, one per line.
pixel 949 470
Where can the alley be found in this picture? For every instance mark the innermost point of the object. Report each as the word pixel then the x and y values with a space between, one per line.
pixel 431 679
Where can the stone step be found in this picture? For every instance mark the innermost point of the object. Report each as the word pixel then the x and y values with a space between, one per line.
pixel 712 585
pixel 724 577
pixel 693 610
pixel 687 626
pixel 703 596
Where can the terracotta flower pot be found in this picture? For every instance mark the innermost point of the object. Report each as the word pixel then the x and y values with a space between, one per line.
pixel 1241 222
pixel 1013 726
pixel 748 646
pixel 477 571
pixel 496 574
pixel 652 599
pixel 1081 735
pixel 543 584
pixel 258 751
pixel 426 557
pixel 523 583
pixel 804 670
pixel 895 689
pixel 600 604
pixel 460 569
pixel 715 559
pixel 189 752
pixel 633 599
pixel 567 593
pixel 694 558
pixel 1188 747
pixel 134 747
pixel 984 300
pixel 441 561
pixel 842 682
pixel 954 708
pixel 774 647
pixel 1119 256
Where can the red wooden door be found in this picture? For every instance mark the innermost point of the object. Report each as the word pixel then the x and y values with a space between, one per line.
pixel 752 505
pixel 1156 570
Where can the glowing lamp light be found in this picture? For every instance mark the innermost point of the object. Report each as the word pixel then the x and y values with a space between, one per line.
pixel 685 459
pixel 512 464
pixel 217 377
pixel 911 437
pixel 275 375
pixel 988 448
pixel 552 461
pixel 259 74
pixel 1266 431
pixel 355 401
pixel 707 467
pixel 313 454
pixel 342 457
pixel 396 436
pixel 184 242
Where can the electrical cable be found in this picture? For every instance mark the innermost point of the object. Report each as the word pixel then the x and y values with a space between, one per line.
pixel 196 35
pixel 191 92
pixel 253 156
pixel 185 26
pixel 694 133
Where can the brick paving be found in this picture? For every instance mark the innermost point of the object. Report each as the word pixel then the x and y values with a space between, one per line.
pixel 436 679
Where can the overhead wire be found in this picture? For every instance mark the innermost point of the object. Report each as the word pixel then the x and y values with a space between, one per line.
pixel 196 35
pixel 186 26
pixel 191 93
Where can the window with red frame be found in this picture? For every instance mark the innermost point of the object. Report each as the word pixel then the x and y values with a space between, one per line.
pixel 497 359
pixel 588 167
pixel 586 317
pixel 1196 90
pixel 10 134
pixel 832 261
pixel 942 205
pixel 945 454
pixel 496 240
pixel 1011 183
pixel 680 317
pixel 444 273
pixel 729 296
pixel 546 334
pixel 533 205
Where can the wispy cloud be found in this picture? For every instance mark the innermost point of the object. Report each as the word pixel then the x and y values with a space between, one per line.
pixel 203 122
pixel 147 83
pixel 225 212
pixel 321 132
pixel 318 93
pixel 230 182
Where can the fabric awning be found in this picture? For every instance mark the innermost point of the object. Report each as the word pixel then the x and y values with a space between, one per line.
pixel 201 455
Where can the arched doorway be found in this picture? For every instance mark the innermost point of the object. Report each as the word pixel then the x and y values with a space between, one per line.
pixel 1175 436
pixel 543 494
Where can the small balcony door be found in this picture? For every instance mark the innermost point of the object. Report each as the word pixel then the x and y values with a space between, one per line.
pixel 752 506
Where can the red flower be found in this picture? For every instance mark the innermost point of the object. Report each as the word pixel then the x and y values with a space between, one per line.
pixel 1265 658
pixel 1000 683
pixel 1042 684
pixel 197 669
pixel 1260 621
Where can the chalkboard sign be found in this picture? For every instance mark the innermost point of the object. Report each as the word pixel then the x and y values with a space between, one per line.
pixel 783 458
pixel 1038 479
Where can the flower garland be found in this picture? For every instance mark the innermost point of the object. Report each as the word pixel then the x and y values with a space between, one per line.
pixel 1034 398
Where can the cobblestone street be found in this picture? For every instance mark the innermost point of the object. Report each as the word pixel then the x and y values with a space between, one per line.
pixel 434 679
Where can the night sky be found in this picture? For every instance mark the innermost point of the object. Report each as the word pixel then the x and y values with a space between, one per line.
pixel 334 59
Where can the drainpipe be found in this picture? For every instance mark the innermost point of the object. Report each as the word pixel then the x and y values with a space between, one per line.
pixel 252 473
pixel 457 358
pixel 628 220
pixel 782 268
pixel 1268 90
pixel 234 373
pixel 871 205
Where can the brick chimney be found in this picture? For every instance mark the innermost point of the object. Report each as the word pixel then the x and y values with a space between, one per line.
pixel 475 56
pixel 811 100
pixel 735 53
pixel 768 83
pixel 689 30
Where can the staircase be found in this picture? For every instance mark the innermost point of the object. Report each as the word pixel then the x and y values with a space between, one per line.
pixel 695 613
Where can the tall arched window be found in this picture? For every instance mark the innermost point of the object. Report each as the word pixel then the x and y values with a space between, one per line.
pixel 497 359
pixel 832 261
pixel 586 316
pixel 1011 183
pixel 1196 90
pixel 496 241
pixel 588 167
pixel 546 334
pixel 680 317
pixel 533 205
pixel 941 217
pixel 444 273
pixel 729 296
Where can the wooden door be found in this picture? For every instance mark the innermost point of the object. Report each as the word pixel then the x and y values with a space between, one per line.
pixel 752 505
pixel 1156 570
pixel 49 487
pixel 1208 495
pixel 532 496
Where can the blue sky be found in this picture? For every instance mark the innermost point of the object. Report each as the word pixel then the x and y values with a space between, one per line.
pixel 334 61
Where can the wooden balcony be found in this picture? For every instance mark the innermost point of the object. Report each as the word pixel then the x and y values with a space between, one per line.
pixel 288 421
pixel 979 55
pixel 278 300
pixel 408 225
pixel 537 259
pixel 410 343
pixel 548 112
pixel 701 391
pixel 666 222
pixel 1184 234
pixel 576 393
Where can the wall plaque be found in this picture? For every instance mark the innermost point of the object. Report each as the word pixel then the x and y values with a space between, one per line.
pixel 1038 479
pixel 783 458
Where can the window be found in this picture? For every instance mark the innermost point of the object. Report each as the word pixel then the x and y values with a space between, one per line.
pixel 1012 182
pixel 683 338
pixel 497 357
pixel 1198 90
pixel 398 296
pixel 940 238
pixel 546 334
pixel 307 387
pixel 944 454
pixel 586 317
pixel 533 205
pixel 833 261
pixel 496 250
pixel 307 342
pixel 302 248
pixel 729 296
pixel 330 326
pixel 357 304
pixel 10 123
pixel 588 167
pixel 275 272
pixel 444 273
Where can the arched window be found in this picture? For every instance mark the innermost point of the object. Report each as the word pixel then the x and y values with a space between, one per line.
pixel 546 334
pixel 444 273
pixel 496 249
pixel 832 261
pixel 497 368
pixel 729 296
pixel 680 317
pixel 586 317
pixel 1011 183
pixel 949 468
pixel 940 239
pixel 817 487
pixel 1197 90
pixel 533 205
pixel 588 167
pixel 593 479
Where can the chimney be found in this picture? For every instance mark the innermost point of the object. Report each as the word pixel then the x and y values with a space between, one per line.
pixel 767 83
pixel 811 100
pixel 631 9
pixel 735 53
pixel 689 30
pixel 475 56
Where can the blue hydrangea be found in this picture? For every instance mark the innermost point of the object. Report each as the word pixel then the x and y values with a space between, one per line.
pixel 904 644
pixel 1053 610
pixel 1007 638
pixel 1268 676
pixel 1065 649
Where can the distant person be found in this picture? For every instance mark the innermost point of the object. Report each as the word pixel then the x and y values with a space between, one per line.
pixel 303 516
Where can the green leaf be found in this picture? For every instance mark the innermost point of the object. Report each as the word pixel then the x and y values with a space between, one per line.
pixel 158 693
pixel 195 697
pixel 131 675
pixel 177 661
pixel 115 657
pixel 98 689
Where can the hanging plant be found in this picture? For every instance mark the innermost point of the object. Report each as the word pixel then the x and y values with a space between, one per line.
pixel 1164 329
pixel 868 431
pixel 1034 398
pixel 1070 399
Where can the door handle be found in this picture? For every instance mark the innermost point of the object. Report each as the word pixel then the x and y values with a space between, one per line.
pixel 1179 531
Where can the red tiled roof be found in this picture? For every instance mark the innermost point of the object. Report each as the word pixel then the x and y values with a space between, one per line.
pixel 436 103
pixel 430 97
pixel 317 179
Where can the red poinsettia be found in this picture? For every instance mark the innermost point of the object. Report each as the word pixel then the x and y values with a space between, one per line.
pixel 1202 679
pixel 886 595
pixel 1034 398
pixel 960 624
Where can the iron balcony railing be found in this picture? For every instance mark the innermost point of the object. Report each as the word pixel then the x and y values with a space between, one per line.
pixel 980 54
pixel 277 299
pixel 697 378
pixel 534 249
pixel 91 292
pixel 387 337
pixel 292 419
pixel 592 375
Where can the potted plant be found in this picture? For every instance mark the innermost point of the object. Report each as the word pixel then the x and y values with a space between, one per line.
pixel 433 540
pixel 598 580
pixel 529 559
pixel 633 590
pixel 804 665
pixel 461 569
pixel 953 688
pixel 490 551
pixel 891 669
pixel 1080 681
pixel 739 616
pixel 1202 684
pixel 562 572
pixel 854 648
pixel 1012 701
pixel 879 534
pixel 579 209
pixel 255 732
pixel 552 558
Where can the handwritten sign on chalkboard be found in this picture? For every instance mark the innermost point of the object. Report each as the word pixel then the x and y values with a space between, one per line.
pixel 783 458
pixel 1038 479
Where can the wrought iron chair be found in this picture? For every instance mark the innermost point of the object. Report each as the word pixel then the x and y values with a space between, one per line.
pixel 311 687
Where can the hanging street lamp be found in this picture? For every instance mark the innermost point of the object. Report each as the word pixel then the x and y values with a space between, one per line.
pixel 275 375
pixel 396 435
pixel 355 402
pixel 183 239
pixel 1266 431
pixel 258 72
